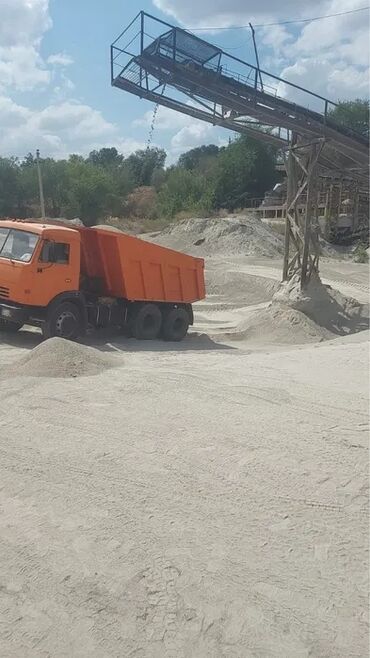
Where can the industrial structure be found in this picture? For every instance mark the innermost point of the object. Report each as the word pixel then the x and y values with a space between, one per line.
pixel 174 68
pixel 342 208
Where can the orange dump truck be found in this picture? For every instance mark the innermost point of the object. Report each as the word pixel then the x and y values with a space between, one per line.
pixel 65 279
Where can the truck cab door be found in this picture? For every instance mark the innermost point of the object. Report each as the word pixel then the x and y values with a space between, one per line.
pixel 57 268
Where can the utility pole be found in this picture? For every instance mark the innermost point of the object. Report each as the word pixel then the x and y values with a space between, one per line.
pixel 256 55
pixel 41 189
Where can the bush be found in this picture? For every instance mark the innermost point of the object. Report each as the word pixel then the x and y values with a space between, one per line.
pixel 360 254
pixel 185 190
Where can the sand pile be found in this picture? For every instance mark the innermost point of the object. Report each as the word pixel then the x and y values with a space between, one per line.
pixel 73 222
pixel 230 235
pixel 296 317
pixel 237 289
pixel 108 227
pixel 58 357
pixel 327 307
pixel 279 325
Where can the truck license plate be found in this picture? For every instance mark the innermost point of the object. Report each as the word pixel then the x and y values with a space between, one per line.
pixel 6 312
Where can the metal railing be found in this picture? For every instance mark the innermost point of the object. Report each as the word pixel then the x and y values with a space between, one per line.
pixel 147 29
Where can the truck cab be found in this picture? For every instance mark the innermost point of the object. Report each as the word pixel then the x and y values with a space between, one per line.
pixel 39 263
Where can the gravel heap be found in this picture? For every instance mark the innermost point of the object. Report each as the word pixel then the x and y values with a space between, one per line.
pixel 108 227
pixel 228 289
pixel 296 317
pixel 278 325
pixel 325 306
pixel 58 357
pixel 230 235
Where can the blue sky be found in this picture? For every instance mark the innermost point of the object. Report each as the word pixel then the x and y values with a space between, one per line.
pixel 85 30
pixel 55 91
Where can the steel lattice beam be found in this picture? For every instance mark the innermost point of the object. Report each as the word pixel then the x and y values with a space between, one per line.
pixel 302 250
pixel 178 70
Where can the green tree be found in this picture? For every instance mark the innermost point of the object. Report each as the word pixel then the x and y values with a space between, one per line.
pixel 90 189
pixel 353 114
pixel 9 186
pixel 106 158
pixel 56 181
pixel 185 190
pixel 28 195
pixel 158 178
pixel 142 164
pixel 245 170
pixel 193 158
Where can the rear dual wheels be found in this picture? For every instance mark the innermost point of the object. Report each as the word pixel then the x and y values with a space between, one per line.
pixel 149 322
pixel 146 322
pixel 175 324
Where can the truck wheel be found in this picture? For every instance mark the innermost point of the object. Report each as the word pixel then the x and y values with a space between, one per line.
pixel 9 327
pixel 146 322
pixel 64 321
pixel 175 324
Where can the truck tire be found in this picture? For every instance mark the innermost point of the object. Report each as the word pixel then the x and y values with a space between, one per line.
pixel 146 322
pixel 175 324
pixel 64 320
pixel 9 327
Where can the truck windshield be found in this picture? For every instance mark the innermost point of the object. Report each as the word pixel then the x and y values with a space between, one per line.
pixel 17 245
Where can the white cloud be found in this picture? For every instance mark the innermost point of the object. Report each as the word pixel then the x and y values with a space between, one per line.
pixel 217 13
pixel 60 59
pixel 59 129
pixel 328 33
pixel 21 68
pixel 166 119
pixel 74 120
pixel 11 114
pixel 276 37
pixel 329 57
pixel 184 132
pixel 127 145
pixel 191 136
pixel 23 21
pixel 341 81
pixel 62 126
pixel 22 25
pixel 63 89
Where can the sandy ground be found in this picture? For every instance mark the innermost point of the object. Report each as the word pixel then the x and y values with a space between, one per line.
pixel 206 500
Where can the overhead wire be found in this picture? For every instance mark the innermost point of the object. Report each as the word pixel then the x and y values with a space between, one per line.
pixel 285 22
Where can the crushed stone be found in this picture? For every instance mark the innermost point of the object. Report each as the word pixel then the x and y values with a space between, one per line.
pixel 325 306
pixel 108 227
pixel 246 235
pixel 297 316
pixel 57 357
pixel 278 324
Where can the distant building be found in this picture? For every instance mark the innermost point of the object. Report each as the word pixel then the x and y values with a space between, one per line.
pixel 343 208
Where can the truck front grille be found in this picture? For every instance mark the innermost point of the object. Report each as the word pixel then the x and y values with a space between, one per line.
pixel 4 292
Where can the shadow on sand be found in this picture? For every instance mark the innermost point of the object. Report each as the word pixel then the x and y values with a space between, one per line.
pixel 113 341
pixel 341 316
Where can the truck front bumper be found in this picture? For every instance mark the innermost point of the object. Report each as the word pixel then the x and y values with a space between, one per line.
pixel 13 313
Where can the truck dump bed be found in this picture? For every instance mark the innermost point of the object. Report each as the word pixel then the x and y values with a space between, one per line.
pixel 134 269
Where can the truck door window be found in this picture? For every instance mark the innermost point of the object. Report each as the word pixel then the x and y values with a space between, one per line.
pixel 55 252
